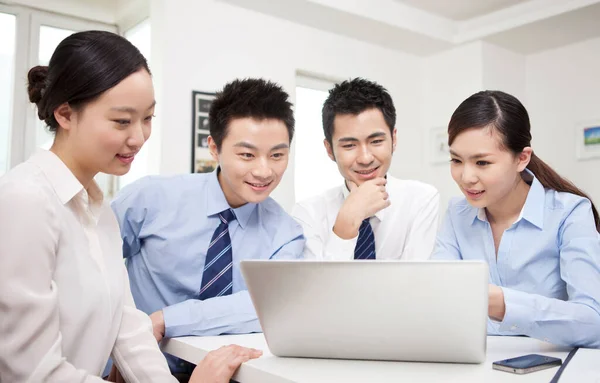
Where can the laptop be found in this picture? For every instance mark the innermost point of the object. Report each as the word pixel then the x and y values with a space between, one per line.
pixel 425 311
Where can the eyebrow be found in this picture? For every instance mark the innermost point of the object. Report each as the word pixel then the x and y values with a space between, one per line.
pixel 353 139
pixel 129 109
pixel 247 145
pixel 474 156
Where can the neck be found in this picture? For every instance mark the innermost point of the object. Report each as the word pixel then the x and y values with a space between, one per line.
pixel 508 209
pixel 84 177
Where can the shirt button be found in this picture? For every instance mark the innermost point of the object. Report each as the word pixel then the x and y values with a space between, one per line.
pixel 513 327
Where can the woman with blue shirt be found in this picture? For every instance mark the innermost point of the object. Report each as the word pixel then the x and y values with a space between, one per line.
pixel 537 231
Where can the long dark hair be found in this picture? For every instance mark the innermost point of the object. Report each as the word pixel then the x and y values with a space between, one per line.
pixel 83 66
pixel 510 119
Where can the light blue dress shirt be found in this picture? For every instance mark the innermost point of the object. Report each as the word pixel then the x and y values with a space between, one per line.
pixel 548 264
pixel 167 224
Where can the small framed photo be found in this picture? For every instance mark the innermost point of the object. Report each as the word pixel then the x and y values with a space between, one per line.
pixel 204 103
pixel 587 140
pixel 439 152
pixel 202 138
pixel 202 122
pixel 201 158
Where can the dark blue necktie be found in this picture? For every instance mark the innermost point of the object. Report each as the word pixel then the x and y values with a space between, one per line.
pixel 365 246
pixel 217 277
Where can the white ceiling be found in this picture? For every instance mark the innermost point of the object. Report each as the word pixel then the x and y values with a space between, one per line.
pixel 425 27
pixel 460 10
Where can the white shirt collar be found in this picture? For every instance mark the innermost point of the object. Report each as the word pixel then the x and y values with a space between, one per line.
pixel 64 182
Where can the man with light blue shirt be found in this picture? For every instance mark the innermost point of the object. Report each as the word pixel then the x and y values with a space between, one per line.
pixel 184 236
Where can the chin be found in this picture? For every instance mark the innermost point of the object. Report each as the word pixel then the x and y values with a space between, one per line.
pixel 257 198
pixel 479 204
pixel 117 170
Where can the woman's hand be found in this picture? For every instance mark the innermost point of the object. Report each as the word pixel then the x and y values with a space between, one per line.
pixel 496 306
pixel 219 366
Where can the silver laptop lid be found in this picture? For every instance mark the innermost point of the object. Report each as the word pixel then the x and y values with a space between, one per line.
pixel 432 311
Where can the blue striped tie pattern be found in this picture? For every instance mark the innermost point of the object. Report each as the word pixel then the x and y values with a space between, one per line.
pixel 365 246
pixel 217 277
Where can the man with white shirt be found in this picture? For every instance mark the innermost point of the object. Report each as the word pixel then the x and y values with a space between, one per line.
pixel 373 215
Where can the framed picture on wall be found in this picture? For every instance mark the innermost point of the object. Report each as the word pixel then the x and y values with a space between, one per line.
pixel 202 162
pixel 587 140
pixel 439 152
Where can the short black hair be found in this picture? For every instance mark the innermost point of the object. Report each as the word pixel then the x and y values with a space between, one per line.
pixel 83 66
pixel 354 97
pixel 249 98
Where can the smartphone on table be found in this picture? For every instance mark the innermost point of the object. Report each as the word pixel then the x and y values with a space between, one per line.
pixel 526 363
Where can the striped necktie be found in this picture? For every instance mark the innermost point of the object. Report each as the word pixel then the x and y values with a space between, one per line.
pixel 365 246
pixel 217 277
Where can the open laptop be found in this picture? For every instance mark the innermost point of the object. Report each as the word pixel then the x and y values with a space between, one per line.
pixel 429 311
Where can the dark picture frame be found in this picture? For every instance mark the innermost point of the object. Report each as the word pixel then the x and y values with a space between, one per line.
pixel 201 161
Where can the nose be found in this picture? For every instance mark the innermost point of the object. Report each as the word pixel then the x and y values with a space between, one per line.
pixel 262 171
pixel 365 157
pixel 139 135
pixel 469 175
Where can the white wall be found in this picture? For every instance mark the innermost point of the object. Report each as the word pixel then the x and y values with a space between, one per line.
pixel 562 89
pixel 448 79
pixel 209 43
pixel 504 70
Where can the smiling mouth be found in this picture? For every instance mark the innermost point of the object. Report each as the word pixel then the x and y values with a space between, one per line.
pixel 126 158
pixel 261 185
pixel 474 193
pixel 366 172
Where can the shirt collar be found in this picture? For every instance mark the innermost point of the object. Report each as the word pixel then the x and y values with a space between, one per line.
pixel 533 209
pixel 380 215
pixel 216 201
pixel 63 181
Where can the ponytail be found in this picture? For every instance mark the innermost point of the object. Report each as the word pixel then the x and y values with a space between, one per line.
pixel 552 180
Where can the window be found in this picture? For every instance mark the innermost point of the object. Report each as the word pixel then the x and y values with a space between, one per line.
pixel 314 170
pixel 7 66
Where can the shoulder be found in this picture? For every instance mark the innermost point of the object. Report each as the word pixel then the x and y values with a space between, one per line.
pixel 565 206
pixel 164 187
pixel 25 188
pixel 564 202
pixel 273 217
pixel 322 201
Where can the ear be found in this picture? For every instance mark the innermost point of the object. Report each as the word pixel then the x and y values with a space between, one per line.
pixel 212 148
pixel 64 115
pixel 394 140
pixel 329 149
pixel 523 158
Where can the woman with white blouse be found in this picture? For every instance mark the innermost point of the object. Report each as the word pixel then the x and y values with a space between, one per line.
pixel 65 304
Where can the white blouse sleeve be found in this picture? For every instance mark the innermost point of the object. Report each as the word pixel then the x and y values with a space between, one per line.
pixel 29 316
pixel 136 352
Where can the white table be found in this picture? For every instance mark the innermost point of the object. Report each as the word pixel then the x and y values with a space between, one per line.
pixel 584 367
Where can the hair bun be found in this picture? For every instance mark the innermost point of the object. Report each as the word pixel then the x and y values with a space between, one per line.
pixel 37 82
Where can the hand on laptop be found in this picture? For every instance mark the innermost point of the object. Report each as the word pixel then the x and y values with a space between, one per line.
pixel 363 202
pixel 219 366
